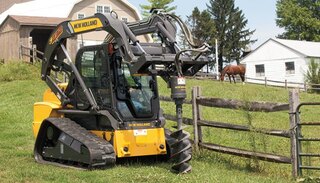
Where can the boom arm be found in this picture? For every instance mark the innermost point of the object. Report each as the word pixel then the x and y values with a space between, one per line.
pixel 69 29
pixel 175 62
pixel 55 51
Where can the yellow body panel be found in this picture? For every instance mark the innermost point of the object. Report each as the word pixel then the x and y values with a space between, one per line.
pixel 142 142
pixel 42 111
pixel 47 108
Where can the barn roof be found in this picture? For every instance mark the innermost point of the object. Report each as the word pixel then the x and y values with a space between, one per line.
pixel 43 21
pixel 306 48
pixel 49 8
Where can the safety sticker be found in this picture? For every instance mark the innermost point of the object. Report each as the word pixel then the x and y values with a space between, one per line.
pixel 181 81
pixel 140 132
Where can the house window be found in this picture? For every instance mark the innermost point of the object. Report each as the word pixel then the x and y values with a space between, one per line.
pixel 260 70
pixel 103 9
pixel 289 67
pixel 107 9
pixel 99 9
pixel 81 15
pixel 124 19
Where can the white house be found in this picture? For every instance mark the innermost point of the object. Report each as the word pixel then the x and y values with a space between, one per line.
pixel 281 60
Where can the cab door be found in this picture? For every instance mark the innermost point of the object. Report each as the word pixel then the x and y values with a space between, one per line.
pixel 93 65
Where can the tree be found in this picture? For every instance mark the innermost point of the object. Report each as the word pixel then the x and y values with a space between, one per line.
pixel 202 28
pixel 231 32
pixel 299 18
pixel 159 4
pixel 201 25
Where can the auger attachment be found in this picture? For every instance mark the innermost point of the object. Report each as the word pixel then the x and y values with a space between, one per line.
pixel 181 148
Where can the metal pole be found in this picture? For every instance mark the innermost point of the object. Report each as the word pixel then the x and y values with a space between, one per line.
pixel 179 115
pixel 84 88
pixel 217 64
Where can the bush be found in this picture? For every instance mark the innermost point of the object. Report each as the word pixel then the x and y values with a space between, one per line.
pixel 19 71
pixel 313 75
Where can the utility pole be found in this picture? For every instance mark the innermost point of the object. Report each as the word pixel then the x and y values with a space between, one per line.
pixel 217 64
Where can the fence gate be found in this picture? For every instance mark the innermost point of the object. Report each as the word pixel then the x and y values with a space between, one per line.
pixel 300 138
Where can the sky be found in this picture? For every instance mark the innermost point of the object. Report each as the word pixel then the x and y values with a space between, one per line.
pixel 261 15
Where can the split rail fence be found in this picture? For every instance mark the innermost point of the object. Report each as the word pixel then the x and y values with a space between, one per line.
pixel 198 122
pixel 32 54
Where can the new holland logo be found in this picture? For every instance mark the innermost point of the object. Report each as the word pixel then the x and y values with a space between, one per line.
pixel 86 24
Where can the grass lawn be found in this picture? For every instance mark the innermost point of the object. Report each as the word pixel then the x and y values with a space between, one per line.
pixel 18 94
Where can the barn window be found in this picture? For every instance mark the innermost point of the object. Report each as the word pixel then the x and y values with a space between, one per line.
pixel 99 9
pixel 103 9
pixel 260 70
pixel 107 9
pixel 81 15
pixel 125 19
pixel 289 67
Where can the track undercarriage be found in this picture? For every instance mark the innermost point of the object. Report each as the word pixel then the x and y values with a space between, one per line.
pixel 61 141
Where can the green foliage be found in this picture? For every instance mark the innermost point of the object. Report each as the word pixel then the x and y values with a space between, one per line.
pixel 159 4
pixel 18 70
pixel 231 32
pixel 313 74
pixel 299 18
pixel 202 26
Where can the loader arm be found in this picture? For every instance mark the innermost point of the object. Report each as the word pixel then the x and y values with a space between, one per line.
pixel 72 28
pixel 55 51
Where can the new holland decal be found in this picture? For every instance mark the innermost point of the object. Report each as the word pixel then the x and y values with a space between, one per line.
pixel 86 24
pixel 55 36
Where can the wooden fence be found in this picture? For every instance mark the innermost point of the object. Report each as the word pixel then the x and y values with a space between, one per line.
pixel 267 82
pixel 198 122
pixel 32 54
pixel 286 84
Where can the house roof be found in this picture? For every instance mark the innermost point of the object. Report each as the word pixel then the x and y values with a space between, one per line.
pixel 306 48
pixel 41 8
pixel 43 21
pixel 49 8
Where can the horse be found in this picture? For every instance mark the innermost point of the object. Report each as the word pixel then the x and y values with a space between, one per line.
pixel 233 70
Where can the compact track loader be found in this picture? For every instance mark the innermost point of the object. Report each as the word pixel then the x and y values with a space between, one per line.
pixel 109 107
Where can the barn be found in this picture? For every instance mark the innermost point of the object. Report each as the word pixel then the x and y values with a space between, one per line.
pixel 31 23
pixel 280 60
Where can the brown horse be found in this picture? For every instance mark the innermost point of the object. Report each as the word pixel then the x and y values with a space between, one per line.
pixel 233 70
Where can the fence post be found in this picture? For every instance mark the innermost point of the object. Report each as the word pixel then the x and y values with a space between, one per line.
pixel 305 86
pixel 293 103
pixel 20 52
pixel 199 114
pixel 265 81
pixel 195 117
pixel 285 84
pixel 34 53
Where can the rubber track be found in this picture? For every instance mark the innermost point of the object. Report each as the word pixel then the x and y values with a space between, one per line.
pixel 101 151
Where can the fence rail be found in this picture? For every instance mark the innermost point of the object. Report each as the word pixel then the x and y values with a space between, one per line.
pixel 268 82
pixel 198 122
pixel 31 53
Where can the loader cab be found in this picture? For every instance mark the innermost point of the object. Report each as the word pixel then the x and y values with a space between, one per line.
pixel 109 80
